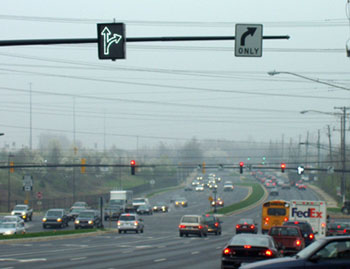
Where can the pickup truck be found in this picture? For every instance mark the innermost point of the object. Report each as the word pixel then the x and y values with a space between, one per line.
pixel 288 239
pixel 23 211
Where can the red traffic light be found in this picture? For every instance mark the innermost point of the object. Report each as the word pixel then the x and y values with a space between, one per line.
pixel 241 164
pixel 132 162
pixel 283 165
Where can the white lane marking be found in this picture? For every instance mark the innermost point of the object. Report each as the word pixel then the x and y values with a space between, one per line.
pixel 218 247
pixel 160 260
pixel 77 259
pixel 23 260
pixel 161 246
pixel 7 267
pixel 140 247
pixel 75 245
pixel 195 252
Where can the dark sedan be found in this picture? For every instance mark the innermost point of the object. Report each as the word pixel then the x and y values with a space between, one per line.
pixel 55 218
pixel 88 219
pixel 246 226
pixel 247 248
pixel 160 207
pixel 144 210
pixel 328 252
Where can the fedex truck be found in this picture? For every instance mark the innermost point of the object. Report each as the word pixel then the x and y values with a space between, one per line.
pixel 314 212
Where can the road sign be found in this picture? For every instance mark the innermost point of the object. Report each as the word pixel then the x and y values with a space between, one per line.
pixel 210 199
pixel 330 169
pixel 111 41
pixel 300 170
pixel 39 195
pixel 248 40
pixel 27 183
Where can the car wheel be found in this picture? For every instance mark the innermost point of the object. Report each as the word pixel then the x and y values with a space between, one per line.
pixel 200 234
pixel 220 233
pixel 181 234
pixel 137 231
pixel 216 233
pixel 186 235
pixel 119 231
pixel 205 235
pixel 142 231
pixel 44 226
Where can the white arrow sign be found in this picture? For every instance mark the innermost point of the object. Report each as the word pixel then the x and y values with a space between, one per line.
pixel 300 170
pixel 108 40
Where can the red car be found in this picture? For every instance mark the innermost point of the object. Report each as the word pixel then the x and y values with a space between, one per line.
pixel 288 238
pixel 302 187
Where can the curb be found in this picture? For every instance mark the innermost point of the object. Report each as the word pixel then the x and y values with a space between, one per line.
pixel 330 202
pixel 261 201
pixel 54 237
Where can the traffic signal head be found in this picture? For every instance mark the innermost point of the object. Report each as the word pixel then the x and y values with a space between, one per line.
pixel 283 166
pixel 132 165
pixel 241 164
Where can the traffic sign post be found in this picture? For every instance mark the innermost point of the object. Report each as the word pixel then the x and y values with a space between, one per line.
pixel 248 41
pixel 111 41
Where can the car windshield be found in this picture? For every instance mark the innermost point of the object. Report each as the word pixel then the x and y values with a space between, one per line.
pixel 284 231
pixel 20 207
pixel 7 225
pixel 248 221
pixel 257 241
pixel 190 219
pixel 9 219
pixel 54 213
pixel 83 204
pixel 143 207
pixel 127 218
pixel 209 218
pixel 77 210
pixel 86 214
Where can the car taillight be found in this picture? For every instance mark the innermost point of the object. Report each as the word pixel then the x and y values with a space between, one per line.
pixel 268 253
pixel 182 226
pixel 247 246
pixel 118 222
pixel 298 242
pixel 311 236
pixel 252 226
pixel 267 219
pixel 226 251
pixel 136 222
pixel 338 226
pixel 285 219
pixel 237 226
pixel 296 222
pixel 200 227
pixel 216 224
pixel 323 225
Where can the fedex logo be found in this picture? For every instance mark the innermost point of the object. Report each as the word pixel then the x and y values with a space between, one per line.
pixel 310 213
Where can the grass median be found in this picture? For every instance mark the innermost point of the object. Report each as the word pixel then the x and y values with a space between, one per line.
pixel 48 233
pixel 256 195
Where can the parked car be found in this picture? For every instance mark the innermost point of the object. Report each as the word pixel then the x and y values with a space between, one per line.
pixel 305 228
pixel 193 224
pixel 327 252
pixel 130 222
pixel 213 223
pixel 144 210
pixel 23 211
pixel 288 238
pixel 246 226
pixel 55 218
pixel 247 248
pixel 9 228
pixel 88 219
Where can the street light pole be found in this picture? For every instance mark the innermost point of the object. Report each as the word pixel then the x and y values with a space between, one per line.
pixel 9 184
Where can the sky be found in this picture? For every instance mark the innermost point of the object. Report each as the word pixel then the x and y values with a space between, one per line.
pixel 171 92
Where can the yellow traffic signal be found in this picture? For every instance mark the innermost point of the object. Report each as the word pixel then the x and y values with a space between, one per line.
pixel 82 169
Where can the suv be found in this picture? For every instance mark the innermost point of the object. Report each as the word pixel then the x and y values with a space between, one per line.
pixel 23 211
pixel 130 222
pixel 305 228
pixel 193 224
pixel 213 223
pixel 88 219
pixel 55 217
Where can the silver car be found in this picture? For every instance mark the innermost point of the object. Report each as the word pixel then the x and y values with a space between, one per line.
pixel 130 222
pixel 12 219
pixel 10 228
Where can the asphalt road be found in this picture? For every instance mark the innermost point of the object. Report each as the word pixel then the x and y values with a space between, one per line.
pixel 158 247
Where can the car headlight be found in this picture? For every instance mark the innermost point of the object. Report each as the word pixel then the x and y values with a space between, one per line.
pixel 59 220
pixel 12 213
pixel 154 208
pixel 9 232
pixel 23 213
pixel 183 203
pixel 91 222
pixel 76 222
pixel 177 203
pixel 44 219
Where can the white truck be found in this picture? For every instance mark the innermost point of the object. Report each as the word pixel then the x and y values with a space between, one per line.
pixel 314 212
pixel 121 198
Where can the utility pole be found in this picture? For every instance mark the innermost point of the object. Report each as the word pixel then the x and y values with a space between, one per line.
pixel 343 150
pixel 318 148
pixel 74 148
pixel 330 144
pixel 30 118
pixel 299 144
pixel 282 146
pixel 307 148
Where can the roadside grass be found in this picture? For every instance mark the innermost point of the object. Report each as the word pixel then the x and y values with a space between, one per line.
pixel 334 209
pixel 163 190
pixel 48 233
pixel 257 193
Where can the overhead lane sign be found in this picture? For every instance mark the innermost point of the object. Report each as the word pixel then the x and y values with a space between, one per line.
pixel 111 41
pixel 248 41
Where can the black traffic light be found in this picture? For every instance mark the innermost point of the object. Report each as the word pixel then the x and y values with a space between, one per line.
pixel 241 164
pixel 283 166
pixel 132 165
